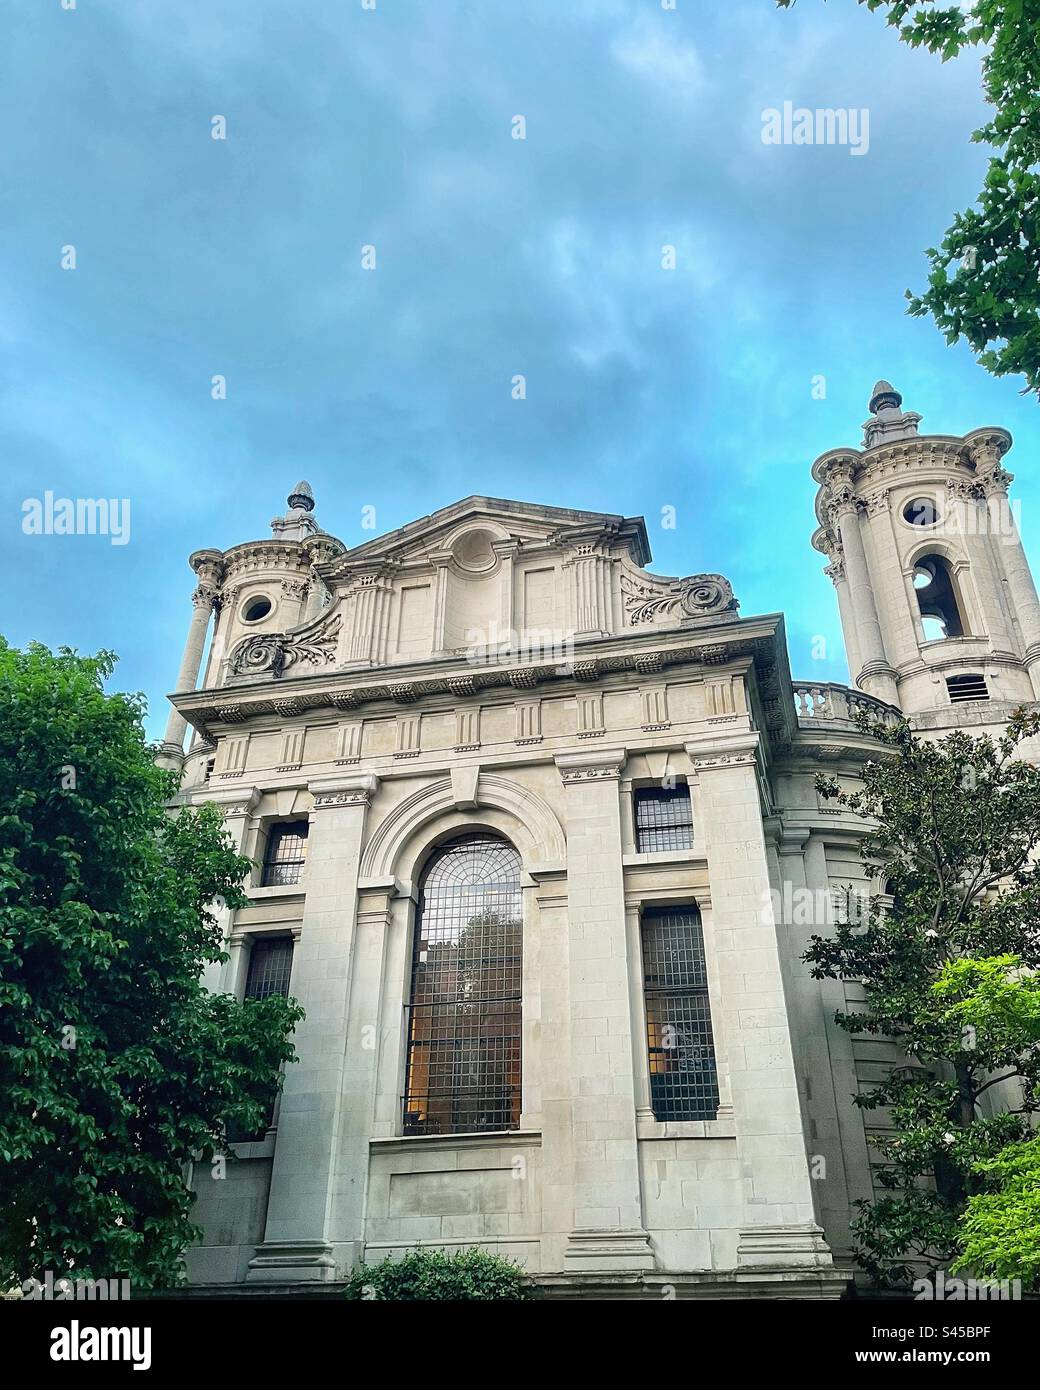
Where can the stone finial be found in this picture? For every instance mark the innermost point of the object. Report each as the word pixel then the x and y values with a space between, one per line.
pixel 301 498
pixel 298 523
pixel 888 419
pixel 884 394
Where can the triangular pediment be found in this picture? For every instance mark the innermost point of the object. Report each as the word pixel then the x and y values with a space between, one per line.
pixel 474 529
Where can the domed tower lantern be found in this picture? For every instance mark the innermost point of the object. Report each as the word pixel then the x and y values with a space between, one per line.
pixel 259 587
pixel 937 601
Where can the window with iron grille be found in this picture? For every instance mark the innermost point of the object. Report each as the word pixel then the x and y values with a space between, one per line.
pixel 966 688
pixel 464 1011
pixel 270 966
pixel 286 853
pixel 684 1081
pixel 664 818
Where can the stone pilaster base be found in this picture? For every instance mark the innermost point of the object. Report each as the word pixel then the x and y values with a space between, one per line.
pixel 292 1261
pixel 784 1247
pixel 607 1250
pixel 723 1284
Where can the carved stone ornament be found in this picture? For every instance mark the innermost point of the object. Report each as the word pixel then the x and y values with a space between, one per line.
pixel 740 759
pixel 835 570
pixel 351 798
pixel 698 596
pixel 593 772
pixel 964 489
pixel 273 652
pixel 996 482
pixel 206 596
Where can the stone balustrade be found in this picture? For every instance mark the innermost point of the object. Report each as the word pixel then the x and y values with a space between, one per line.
pixel 828 702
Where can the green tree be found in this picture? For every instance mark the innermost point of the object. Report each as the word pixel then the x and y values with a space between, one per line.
pixel 117 1069
pixel 998 1000
pixel 954 828
pixel 984 284
pixel 433 1276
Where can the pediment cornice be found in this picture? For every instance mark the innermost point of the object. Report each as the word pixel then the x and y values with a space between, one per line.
pixel 524 526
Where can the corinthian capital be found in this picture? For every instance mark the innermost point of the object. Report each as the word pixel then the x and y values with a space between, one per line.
pixel 835 571
pixel 206 596
pixel 996 482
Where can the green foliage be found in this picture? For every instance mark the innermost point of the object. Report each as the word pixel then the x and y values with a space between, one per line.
pixel 117 1068
pixel 984 284
pixel 955 828
pixel 432 1276
pixel 1000 1230
pixel 999 1000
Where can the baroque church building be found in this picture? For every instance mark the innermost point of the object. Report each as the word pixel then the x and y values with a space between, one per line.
pixel 531 829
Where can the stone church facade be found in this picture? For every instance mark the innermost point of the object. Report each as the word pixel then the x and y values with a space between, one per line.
pixel 534 831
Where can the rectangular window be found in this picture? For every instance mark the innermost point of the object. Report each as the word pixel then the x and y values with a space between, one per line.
pixel 286 854
pixel 683 1076
pixel 270 965
pixel 664 818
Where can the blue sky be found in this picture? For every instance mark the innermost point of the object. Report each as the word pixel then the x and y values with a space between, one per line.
pixel 391 389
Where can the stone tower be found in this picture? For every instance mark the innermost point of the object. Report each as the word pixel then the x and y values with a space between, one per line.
pixel 938 605
pixel 253 589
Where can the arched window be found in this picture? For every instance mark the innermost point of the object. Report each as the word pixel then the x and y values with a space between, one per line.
pixel 464 1011
pixel 937 598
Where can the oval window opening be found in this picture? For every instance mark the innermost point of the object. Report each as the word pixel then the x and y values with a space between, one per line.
pixel 922 511
pixel 259 608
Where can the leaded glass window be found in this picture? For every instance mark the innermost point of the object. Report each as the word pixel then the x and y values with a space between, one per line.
pixel 664 818
pixel 464 1012
pixel 286 853
pixel 683 1077
pixel 270 967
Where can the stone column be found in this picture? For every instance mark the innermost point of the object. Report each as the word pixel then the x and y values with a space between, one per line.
pixel 608 1229
pixel 236 967
pixel 238 807
pixel 506 551
pixel 780 1229
pixel 365 1022
pixel 207 565
pixel 297 1246
pixel 855 1173
pixel 1012 559
pixel 876 676
pixel 835 571
pixel 637 1004
pixel 805 912
pixel 557 1100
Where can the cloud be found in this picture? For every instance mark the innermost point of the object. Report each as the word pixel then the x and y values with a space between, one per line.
pixel 650 49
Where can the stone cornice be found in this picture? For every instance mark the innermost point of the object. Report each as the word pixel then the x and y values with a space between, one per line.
pixel 636 653
pixel 280 556
pixel 846 475
pixel 418 538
